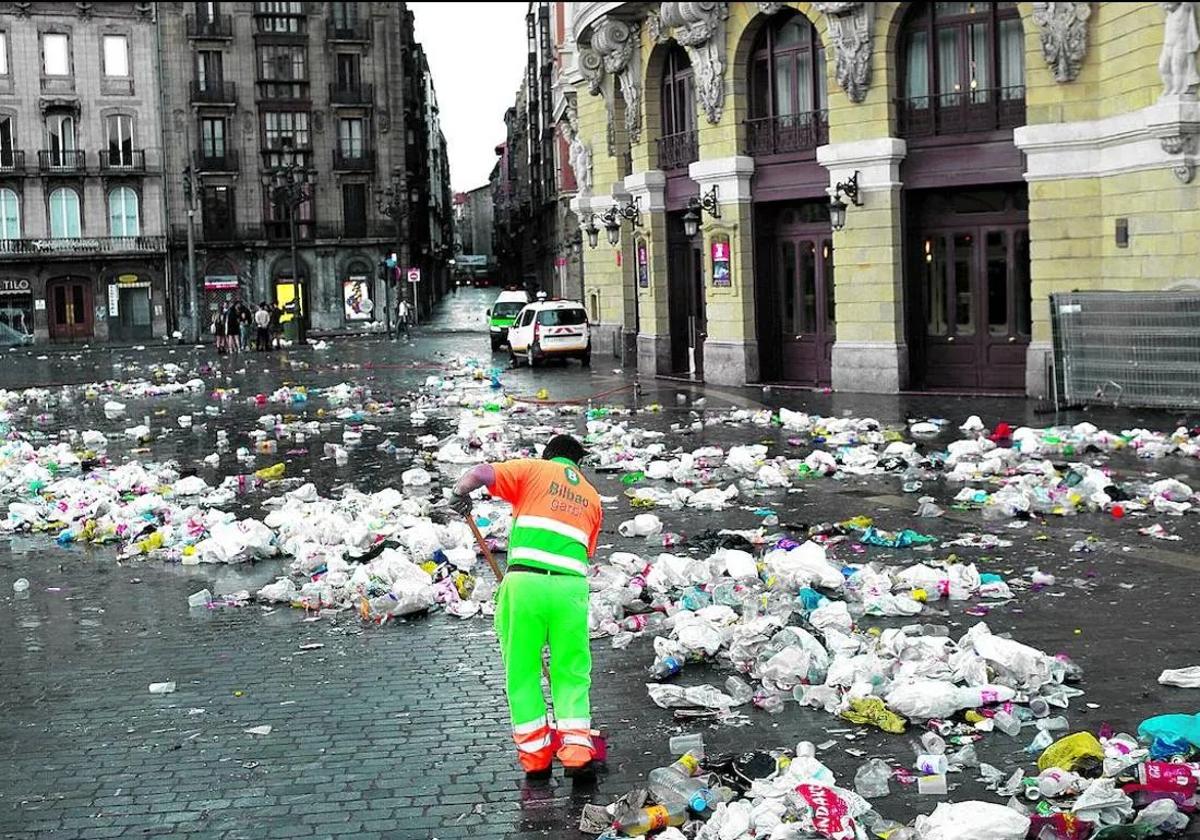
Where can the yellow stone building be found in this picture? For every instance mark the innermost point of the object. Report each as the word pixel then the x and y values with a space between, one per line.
pixel 886 194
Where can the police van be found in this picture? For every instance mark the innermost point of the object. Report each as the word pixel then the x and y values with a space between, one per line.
pixel 503 312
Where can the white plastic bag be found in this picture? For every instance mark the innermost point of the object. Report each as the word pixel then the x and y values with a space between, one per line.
pixel 1181 677
pixel 972 821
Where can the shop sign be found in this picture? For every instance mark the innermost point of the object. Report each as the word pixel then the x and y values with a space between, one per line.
pixel 643 264
pixel 356 299
pixel 114 299
pixel 15 286
pixel 125 279
pixel 40 304
pixel 220 282
pixel 721 275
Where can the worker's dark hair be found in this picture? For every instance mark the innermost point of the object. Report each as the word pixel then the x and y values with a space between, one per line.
pixel 564 446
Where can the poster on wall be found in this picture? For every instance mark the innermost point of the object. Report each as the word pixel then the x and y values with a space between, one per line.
pixel 721 274
pixel 356 299
pixel 643 264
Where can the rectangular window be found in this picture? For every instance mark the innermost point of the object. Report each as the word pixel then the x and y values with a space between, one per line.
pixel 209 69
pixel 120 139
pixel 10 215
pixel 345 15
pixel 56 54
pixel 280 17
pixel 216 205
pixel 351 131
pixel 283 62
pixel 354 209
pixel 286 130
pixel 206 12
pixel 348 71
pixel 7 143
pixel 3 53
pixel 116 56
pixel 212 138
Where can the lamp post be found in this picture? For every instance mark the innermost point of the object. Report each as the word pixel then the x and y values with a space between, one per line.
pixel 394 202
pixel 288 189
pixel 189 194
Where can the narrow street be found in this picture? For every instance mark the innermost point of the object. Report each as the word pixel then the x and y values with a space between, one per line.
pixel 401 730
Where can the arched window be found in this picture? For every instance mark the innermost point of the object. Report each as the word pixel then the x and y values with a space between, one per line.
pixel 787 87
pixel 10 215
pixel 64 214
pixel 962 68
pixel 123 212
pixel 677 146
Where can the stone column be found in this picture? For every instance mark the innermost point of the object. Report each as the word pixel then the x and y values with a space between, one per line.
pixel 870 354
pixel 731 346
pixel 653 336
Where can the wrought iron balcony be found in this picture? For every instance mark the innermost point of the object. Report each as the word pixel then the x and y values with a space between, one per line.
pixel 84 245
pixel 60 161
pixel 787 133
pixel 211 92
pixel 284 90
pixel 127 160
pixel 12 161
pixel 351 94
pixel 202 27
pixel 676 151
pixel 348 30
pixel 280 231
pixel 363 161
pixel 210 162
pixel 985 109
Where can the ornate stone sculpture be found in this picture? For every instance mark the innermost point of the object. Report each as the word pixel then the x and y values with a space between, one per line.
pixel 769 8
pixel 700 29
pixel 1064 36
pixel 592 69
pixel 615 42
pixel 1177 62
pixel 850 31
pixel 580 153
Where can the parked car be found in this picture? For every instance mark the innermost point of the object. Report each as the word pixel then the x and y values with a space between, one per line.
pixel 551 329
pixel 503 312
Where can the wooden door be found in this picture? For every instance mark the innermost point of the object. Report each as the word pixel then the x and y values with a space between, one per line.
pixel 70 309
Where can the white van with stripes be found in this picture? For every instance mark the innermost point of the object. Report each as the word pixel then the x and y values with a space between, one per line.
pixel 550 329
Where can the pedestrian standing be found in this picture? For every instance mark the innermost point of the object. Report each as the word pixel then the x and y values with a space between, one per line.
pixel 218 328
pixel 402 314
pixel 276 324
pixel 233 328
pixel 262 323
pixel 544 599
pixel 246 321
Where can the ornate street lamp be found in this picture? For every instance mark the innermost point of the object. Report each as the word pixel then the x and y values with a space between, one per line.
pixel 837 207
pixel 593 232
pixel 287 188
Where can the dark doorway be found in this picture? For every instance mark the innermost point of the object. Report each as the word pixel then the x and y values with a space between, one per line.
pixel 685 300
pixel 133 321
pixel 968 289
pixel 796 318
pixel 70 305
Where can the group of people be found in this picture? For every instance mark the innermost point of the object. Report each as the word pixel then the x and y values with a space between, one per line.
pixel 232 326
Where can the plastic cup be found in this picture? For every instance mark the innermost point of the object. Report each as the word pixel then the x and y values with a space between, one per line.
pixel 693 743
pixel 931 785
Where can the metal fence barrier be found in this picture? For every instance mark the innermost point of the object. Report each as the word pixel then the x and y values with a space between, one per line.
pixel 1127 348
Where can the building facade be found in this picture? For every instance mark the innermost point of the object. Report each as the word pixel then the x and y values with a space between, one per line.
pixel 878 196
pixel 474 257
pixel 82 244
pixel 330 95
pixel 539 240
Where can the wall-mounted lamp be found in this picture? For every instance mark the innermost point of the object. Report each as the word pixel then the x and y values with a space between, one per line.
pixel 611 218
pixel 593 232
pixel 691 219
pixel 837 207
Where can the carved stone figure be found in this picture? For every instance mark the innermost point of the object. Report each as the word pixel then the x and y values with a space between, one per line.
pixel 592 69
pixel 615 42
pixel 700 29
pixel 850 31
pixel 769 8
pixel 1177 61
pixel 580 154
pixel 1064 36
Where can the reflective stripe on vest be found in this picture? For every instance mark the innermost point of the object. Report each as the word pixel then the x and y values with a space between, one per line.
pixel 559 546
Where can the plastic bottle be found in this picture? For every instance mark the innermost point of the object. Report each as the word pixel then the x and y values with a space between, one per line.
pixel 654 818
pixel 642 621
pixel 1007 724
pixel 1056 782
pixel 665 668
pixel 739 690
pixel 676 783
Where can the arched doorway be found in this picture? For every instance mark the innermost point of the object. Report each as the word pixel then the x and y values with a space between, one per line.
pixel 70 301
pixel 285 284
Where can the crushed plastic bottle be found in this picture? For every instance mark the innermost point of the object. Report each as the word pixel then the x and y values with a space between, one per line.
pixel 871 779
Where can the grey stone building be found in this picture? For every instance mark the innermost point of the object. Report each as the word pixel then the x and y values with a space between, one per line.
pixel 82 245
pixel 253 89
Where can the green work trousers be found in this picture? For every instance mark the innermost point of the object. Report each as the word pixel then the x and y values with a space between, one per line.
pixel 533 610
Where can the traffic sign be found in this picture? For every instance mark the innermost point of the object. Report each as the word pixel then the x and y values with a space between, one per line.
pixel 414 275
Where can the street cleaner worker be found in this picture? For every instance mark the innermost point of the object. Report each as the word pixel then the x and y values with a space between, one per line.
pixel 543 599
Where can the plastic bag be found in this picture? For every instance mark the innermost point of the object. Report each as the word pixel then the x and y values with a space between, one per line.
pixel 872 711
pixel 1181 677
pixel 1076 753
pixel 972 821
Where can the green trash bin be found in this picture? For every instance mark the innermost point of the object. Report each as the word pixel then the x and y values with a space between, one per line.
pixel 290 330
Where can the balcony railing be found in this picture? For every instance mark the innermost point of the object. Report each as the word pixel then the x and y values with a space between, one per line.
pixel 62 161
pixel 280 231
pixel 128 160
pixel 12 161
pixel 225 162
pixel 676 151
pixel 987 109
pixel 348 30
pixel 284 90
pixel 787 133
pixel 351 94
pixel 82 245
pixel 344 161
pixel 219 27
pixel 212 92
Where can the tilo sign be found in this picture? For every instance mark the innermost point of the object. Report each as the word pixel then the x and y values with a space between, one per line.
pixel 15 286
